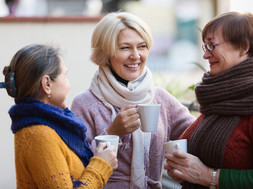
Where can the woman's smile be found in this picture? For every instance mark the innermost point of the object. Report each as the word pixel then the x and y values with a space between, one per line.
pixel 130 58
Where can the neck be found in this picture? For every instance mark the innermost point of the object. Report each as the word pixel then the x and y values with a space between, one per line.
pixel 120 79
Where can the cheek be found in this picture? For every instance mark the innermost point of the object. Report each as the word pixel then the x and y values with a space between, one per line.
pixel 145 56
pixel 68 86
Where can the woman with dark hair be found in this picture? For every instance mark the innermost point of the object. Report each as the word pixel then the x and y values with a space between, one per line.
pixel 220 141
pixel 51 149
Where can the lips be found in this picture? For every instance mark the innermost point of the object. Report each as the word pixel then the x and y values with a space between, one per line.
pixel 213 63
pixel 132 65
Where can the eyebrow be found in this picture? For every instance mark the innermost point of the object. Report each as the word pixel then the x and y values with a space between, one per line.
pixel 127 43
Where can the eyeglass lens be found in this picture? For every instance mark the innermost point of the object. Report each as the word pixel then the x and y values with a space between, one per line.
pixel 208 46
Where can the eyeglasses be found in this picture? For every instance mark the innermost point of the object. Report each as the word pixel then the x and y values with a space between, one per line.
pixel 211 46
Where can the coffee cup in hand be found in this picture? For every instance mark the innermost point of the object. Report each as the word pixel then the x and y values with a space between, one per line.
pixel 174 145
pixel 110 140
pixel 149 115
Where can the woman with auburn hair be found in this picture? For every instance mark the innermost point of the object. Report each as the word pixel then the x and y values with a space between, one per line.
pixel 220 141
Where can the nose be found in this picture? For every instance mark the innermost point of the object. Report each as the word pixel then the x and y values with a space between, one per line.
pixel 135 54
pixel 207 54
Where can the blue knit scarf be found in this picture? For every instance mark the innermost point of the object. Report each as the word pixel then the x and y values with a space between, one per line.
pixel 28 111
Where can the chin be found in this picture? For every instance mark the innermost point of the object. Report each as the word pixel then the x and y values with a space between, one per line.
pixel 134 77
pixel 63 106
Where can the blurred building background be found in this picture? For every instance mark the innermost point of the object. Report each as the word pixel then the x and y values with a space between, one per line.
pixel 175 24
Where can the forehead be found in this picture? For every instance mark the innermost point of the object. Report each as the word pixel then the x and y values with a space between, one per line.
pixel 128 35
pixel 213 36
pixel 62 64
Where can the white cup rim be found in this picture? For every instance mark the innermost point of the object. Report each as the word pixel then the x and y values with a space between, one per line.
pixel 106 137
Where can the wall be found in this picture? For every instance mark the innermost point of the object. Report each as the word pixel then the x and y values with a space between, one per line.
pixel 73 36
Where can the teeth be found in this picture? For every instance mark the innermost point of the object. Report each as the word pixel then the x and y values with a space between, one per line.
pixel 133 66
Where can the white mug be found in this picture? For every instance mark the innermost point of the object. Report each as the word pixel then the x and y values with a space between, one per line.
pixel 149 115
pixel 174 145
pixel 110 140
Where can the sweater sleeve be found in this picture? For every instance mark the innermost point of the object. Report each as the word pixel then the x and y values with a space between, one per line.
pixel 52 164
pixel 94 113
pixel 97 170
pixel 236 179
pixel 178 116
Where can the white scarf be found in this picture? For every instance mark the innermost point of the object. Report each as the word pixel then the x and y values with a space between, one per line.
pixel 114 93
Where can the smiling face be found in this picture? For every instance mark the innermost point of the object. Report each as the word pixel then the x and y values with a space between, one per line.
pixel 131 55
pixel 224 55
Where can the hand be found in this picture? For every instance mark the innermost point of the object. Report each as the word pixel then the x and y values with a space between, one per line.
pixel 108 154
pixel 170 173
pixel 126 121
pixel 183 166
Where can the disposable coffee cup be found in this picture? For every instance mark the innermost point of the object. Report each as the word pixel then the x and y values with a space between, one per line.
pixel 110 140
pixel 149 115
pixel 174 145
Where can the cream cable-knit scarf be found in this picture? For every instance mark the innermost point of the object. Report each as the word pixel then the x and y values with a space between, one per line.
pixel 113 93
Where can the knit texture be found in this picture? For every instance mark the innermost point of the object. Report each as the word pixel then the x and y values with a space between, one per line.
pixel 236 179
pixel 114 93
pixel 223 99
pixel 43 160
pixel 174 118
pixel 72 130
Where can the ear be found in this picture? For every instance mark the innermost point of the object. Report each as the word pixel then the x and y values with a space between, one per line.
pixel 46 84
pixel 244 51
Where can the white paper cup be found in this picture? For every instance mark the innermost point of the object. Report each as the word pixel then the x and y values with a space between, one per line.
pixel 110 140
pixel 149 115
pixel 174 145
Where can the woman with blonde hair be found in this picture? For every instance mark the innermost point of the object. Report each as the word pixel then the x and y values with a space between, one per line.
pixel 120 46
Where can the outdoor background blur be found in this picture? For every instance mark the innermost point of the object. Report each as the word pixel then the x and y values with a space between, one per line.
pixel 175 59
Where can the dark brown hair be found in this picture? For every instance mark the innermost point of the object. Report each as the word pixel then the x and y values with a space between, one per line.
pixel 29 65
pixel 235 27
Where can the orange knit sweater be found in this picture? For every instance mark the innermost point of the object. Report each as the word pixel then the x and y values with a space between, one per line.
pixel 43 160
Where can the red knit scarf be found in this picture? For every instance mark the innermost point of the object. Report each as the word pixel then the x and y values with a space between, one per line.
pixel 223 99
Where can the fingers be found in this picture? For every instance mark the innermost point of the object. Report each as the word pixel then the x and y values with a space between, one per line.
pixel 178 157
pixel 111 148
pixel 129 107
pixel 108 154
pixel 111 156
pixel 129 111
pixel 126 121
pixel 181 154
pixel 101 146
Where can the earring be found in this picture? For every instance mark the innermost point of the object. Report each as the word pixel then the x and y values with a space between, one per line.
pixel 49 96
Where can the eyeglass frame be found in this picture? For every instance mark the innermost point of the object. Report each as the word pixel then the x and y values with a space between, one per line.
pixel 205 47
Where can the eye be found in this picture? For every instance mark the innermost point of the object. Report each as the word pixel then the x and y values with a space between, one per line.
pixel 143 46
pixel 124 48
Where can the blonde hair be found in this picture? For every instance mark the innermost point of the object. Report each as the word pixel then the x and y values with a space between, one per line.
pixel 104 37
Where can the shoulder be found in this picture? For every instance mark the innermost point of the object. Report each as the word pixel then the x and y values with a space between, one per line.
pixel 84 101
pixel 83 97
pixel 38 135
pixel 87 105
pixel 246 126
pixel 164 97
